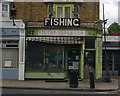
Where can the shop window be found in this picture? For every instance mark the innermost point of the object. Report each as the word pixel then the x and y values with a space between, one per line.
pixel 89 43
pixel 112 60
pixel 34 56
pixel 42 57
pixel 10 57
pixel 53 57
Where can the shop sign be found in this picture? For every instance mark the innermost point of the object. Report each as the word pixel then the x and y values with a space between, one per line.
pixel 7 64
pixel 62 22
pixel 112 38
pixel 10 32
pixel 61 32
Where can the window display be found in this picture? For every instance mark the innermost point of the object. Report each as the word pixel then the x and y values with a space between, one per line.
pixel 44 57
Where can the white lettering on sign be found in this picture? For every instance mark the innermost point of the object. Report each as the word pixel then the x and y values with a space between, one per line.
pixel 56 22
pixel 62 22
pixel 61 32
pixel 75 23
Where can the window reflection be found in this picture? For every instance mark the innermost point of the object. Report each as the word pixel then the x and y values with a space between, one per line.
pixel 43 57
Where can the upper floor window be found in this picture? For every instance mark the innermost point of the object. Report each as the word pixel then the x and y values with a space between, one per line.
pixel 59 12
pixel 67 12
pixel 76 13
pixel 5 7
pixel 75 8
pixel 50 11
pixel 5 10
pixel 63 11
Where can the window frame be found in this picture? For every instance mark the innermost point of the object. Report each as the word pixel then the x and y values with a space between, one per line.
pixel 5 11
pixel 63 8
pixel 67 12
pixel 50 13
pixel 76 13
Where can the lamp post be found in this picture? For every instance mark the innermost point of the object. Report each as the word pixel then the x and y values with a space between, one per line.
pixel 13 13
pixel 107 78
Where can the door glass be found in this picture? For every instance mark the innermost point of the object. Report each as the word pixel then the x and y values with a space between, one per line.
pixel 73 59
pixel 59 12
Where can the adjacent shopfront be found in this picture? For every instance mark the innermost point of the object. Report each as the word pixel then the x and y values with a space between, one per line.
pixel 12 49
pixel 113 55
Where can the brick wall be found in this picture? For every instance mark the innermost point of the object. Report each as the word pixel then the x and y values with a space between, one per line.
pixel 37 11
pixel 89 11
pixel 31 11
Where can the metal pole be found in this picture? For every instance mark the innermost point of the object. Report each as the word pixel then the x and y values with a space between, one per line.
pixel 107 79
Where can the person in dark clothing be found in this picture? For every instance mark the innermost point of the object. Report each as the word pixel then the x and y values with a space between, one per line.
pixel 90 59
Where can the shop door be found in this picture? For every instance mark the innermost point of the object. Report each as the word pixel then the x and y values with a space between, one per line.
pixel 73 60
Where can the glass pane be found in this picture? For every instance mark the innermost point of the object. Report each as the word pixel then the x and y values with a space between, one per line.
pixel 90 43
pixel 6 7
pixel 116 56
pixel 59 12
pixel 116 66
pixel 67 12
pixel 75 8
pixel 42 57
pixel 35 57
pixel 51 8
pixel 2 7
pixel 53 57
pixel 10 54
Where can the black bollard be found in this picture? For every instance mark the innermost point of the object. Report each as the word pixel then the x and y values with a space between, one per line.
pixel 92 83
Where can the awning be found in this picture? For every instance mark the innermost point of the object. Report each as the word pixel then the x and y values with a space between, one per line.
pixel 57 40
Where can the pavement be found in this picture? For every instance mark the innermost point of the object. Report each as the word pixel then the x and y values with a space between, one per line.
pixel 83 85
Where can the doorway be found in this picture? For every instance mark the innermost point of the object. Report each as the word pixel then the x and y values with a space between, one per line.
pixel 89 62
pixel 73 59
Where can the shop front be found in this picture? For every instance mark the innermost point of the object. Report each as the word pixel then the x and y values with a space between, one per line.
pixel 12 49
pixel 52 54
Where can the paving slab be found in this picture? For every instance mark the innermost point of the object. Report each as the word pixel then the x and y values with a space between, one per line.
pixel 41 84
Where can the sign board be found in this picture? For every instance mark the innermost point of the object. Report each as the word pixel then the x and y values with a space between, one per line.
pixel 62 22
pixel 61 32
pixel 74 66
pixel 112 38
pixel 9 31
pixel 7 63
